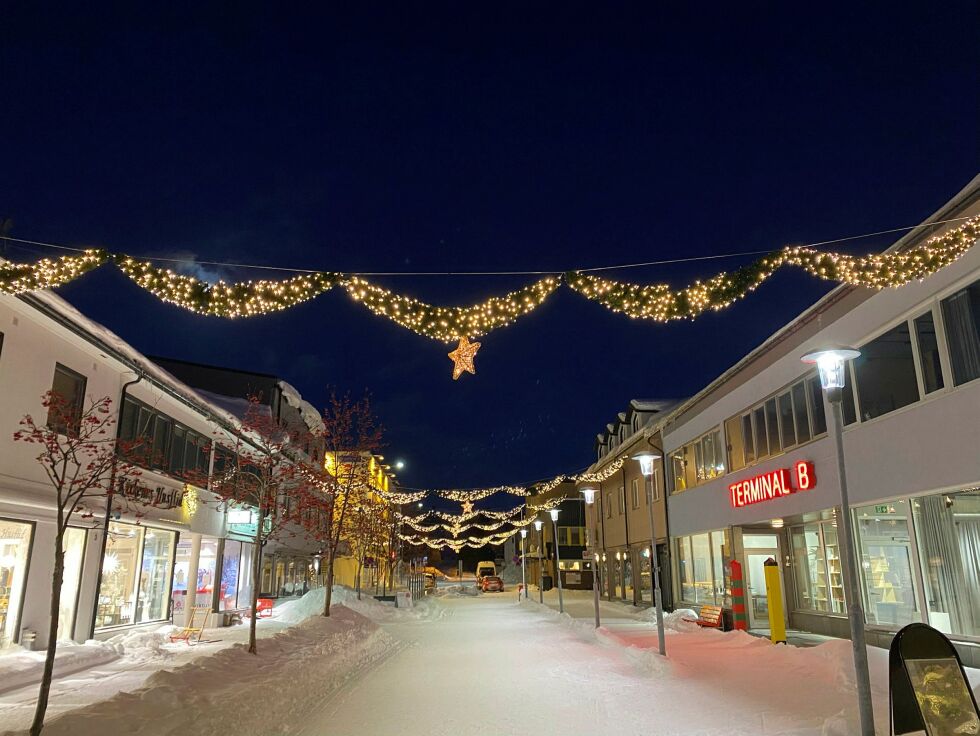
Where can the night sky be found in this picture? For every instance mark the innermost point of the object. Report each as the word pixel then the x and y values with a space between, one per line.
pixel 469 136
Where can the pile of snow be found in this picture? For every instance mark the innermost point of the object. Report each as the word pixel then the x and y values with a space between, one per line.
pixel 229 692
pixel 298 610
pixel 681 620
pixel 141 643
pixel 21 667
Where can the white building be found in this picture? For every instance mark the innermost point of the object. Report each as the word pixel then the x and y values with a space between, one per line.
pixel 912 444
pixel 122 569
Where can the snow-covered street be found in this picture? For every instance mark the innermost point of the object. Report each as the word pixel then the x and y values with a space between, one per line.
pixel 461 663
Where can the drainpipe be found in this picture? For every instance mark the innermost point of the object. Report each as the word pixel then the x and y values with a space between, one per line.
pixel 108 507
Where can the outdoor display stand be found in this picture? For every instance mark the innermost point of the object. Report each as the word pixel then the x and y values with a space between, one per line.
pixel 927 687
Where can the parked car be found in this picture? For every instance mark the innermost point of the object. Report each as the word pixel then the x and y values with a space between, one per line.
pixel 492 584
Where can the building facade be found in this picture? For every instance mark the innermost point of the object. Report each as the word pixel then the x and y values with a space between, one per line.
pixel 167 545
pixel 621 514
pixel 752 470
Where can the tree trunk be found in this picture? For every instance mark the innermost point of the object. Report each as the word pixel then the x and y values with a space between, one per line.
pixel 357 577
pixel 328 594
pixel 45 688
pixel 256 574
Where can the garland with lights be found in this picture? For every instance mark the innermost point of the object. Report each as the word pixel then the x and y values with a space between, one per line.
pixel 242 299
pixel 449 324
pixel 20 278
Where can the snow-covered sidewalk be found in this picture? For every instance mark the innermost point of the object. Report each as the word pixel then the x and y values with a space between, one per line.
pixel 140 678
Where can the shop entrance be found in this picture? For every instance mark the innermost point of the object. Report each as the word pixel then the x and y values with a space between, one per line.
pixel 758 549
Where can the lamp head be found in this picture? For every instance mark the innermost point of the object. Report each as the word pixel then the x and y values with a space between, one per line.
pixel 554 514
pixel 538 524
pixel 830 365
pixel 589 495
pixel 646 462
pixel 523 533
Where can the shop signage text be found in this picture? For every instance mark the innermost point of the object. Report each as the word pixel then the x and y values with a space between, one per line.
pixel 158 497
pixel 773 484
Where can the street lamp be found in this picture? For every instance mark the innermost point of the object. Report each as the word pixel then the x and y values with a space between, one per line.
pixel 646 460
pixel 554 526
pixel 523 563
pixel 537 525
pixel 832 366
pixel 589 495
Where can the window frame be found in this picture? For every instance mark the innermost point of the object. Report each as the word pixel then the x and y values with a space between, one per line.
pixel 80 398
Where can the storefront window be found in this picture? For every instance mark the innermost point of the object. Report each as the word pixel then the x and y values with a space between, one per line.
pixel 819 577
pixel 15 549
pixel 961 316
pixel 885 373
pixel 701 565
pixel 135 575
pixel 202 582
pixel 74 547
pixel 158 552
pixel 885 555
pixel 947 528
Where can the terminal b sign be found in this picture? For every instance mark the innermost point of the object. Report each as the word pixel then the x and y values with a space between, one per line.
pixel 774 484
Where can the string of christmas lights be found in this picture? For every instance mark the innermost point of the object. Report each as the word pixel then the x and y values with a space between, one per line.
pixel 20 278
pixel 450 324
pixel 403 497
pixel 242 299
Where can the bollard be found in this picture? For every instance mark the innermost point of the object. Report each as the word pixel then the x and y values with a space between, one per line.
pixel 738 597
pixel 774 599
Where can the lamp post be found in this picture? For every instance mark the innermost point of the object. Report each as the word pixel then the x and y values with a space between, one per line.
pixel 646 460
pixel 537 525
pixel 589 495
pixel 523 563
pixel 832 365
pixel 554 526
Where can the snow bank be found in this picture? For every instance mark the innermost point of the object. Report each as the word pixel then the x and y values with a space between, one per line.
pixel 142 644
pixel 236 692
pixel 674 620
pixel 21 667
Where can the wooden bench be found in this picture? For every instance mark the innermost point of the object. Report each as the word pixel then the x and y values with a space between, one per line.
pixel 708 617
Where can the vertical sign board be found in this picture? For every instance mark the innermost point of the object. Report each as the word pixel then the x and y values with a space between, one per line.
pixel 927 687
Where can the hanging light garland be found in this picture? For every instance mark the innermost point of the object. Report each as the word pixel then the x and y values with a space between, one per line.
pixel 242 299
pixel 20 278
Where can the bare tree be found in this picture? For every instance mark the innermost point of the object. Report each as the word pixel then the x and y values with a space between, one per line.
pixel 351 438
pixel 85 466
pixel 265 472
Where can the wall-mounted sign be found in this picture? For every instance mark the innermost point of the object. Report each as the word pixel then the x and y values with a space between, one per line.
pixel 158 497
pixel 774 484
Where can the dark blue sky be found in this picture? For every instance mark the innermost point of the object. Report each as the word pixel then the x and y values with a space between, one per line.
pixel 454 136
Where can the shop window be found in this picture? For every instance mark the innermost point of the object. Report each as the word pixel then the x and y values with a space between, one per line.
pixel 885 555
pixel 74 548
pixel 701 562
pixel 885 373
pixel 698 461
pixel 635 493
pixel 800 413
pixel 622 500
pixel 932 370
pixel 947 528
pixel 15 551
pixel 201 581
pixel 135 575
pixel 70 387
pixel 819 576
pixel 961 317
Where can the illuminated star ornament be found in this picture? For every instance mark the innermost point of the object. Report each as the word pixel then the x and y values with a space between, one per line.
pixel 467 507
pixel 462 357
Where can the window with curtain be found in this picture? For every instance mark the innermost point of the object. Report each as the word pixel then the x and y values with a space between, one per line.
pixel 961 317
pixel 932 370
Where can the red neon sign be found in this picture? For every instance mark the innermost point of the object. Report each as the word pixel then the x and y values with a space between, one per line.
pixel 773 484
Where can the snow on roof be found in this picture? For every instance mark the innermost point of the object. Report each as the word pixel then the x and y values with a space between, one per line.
pixel 311 417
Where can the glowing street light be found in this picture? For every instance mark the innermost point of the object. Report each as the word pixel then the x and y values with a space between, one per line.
pixel 537 525
pixel 554 526
pixel 399 464
pixel 589 495
pixel 647 460
pixel 832 367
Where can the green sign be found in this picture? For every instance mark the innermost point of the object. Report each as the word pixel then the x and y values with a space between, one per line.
pixel 882 509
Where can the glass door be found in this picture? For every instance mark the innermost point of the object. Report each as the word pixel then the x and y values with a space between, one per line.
pixel 74 548
pixel 15 549
pixel 758 549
